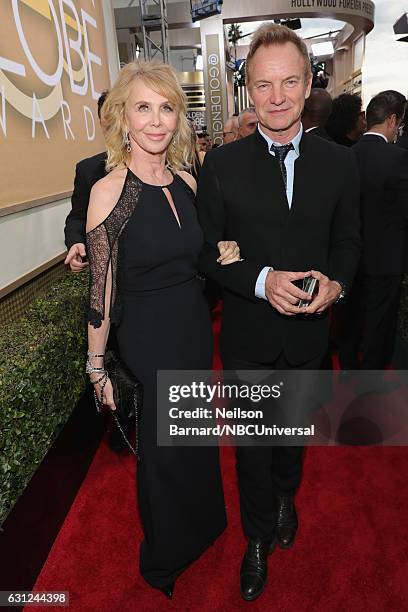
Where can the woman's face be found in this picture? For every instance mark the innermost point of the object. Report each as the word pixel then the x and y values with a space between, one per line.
pixel 150 118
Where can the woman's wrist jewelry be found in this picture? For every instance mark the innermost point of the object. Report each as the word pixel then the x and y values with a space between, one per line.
pixel 96 382
pixel 91 354
pixel 90 369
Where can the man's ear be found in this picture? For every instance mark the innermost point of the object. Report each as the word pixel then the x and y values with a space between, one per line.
pixel 392 120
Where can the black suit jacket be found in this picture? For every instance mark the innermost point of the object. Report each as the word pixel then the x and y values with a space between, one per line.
pixel 321 131
pixel 241 196
pixel 87 173
pixel 403 142
pixel 384 205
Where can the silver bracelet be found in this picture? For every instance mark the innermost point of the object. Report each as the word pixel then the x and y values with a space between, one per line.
pixel 90 369
pixel 91 354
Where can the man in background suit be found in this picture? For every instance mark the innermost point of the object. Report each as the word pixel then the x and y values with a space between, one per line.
pixel 87 173
pixel 374 300
pixel 261 191
pixel 316 112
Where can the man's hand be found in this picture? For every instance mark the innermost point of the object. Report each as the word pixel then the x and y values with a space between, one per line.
pixel 283 294
pixel 229 252
pixel 74 257
pixel 327 294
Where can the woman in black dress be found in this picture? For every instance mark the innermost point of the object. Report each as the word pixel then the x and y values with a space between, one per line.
pixel 142 230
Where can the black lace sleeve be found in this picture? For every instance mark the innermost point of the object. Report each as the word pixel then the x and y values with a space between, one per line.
pixel 102 249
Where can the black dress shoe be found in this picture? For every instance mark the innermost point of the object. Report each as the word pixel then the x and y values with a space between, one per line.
pixel 168 590
pixel 254 568
pixel 287 522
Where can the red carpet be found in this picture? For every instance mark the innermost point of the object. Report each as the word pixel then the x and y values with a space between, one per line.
pixel 351 553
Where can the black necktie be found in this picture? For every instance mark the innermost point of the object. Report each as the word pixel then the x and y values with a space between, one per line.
pixel 280 154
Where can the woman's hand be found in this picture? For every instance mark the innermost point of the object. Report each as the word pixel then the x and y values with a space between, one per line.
pixel 229 252
pixel 107 392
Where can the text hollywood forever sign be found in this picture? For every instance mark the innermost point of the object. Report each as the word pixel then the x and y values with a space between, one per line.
pixel 53 67
pixel 365 8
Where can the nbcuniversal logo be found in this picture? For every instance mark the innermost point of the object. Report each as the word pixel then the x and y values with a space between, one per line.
pixel 52 54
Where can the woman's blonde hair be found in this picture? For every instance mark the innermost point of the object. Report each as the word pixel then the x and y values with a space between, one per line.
pixel 162 79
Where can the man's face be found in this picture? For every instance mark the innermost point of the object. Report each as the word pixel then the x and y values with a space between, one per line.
pixel 202 143
pixel 278 88
pixel 230 132
pixel 247 124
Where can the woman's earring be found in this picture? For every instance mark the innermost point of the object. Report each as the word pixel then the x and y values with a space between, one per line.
pixel 127 143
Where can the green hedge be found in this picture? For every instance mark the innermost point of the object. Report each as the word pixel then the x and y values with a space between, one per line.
pixel 41 378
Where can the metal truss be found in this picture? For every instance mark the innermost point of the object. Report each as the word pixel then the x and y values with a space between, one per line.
pixel 153 21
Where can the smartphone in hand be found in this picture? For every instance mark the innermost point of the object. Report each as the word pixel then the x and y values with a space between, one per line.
pixel 309 285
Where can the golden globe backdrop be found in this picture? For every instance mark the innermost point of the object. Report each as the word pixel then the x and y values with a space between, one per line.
pixel 53 66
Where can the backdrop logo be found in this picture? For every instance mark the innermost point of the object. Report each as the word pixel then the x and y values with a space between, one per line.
pixel 50 61
pixel 214 77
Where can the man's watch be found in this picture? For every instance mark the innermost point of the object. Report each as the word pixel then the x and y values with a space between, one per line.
pixel 343 291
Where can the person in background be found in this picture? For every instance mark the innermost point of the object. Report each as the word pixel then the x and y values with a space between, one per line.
pixel 87 173
pixel 247 121
pixel 142 228
pixel 231 130
pixel 318 107
pixel 197 155
pixel 402 140
pixel 204 141
pixel 373 307
pixel 346 123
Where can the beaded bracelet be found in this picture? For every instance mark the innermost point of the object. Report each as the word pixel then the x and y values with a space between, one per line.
pixel 96 382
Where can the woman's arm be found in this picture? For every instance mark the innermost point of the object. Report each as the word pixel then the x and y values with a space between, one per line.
pixel 229 249
pixel 104 196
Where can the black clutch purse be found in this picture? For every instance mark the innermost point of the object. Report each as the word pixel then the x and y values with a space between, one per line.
pixel 128 397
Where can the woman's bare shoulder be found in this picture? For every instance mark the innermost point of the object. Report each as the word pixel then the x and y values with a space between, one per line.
pixel 104 196
pixel 189 179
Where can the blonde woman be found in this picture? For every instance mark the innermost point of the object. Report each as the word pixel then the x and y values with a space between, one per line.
pixel 143 241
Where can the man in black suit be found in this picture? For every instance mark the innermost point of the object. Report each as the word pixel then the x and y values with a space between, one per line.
pixel 88 171
pixel 316 112
pixel 262 191
pixel 374 299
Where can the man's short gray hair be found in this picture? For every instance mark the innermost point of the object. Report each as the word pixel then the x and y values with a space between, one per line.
pixel 249 109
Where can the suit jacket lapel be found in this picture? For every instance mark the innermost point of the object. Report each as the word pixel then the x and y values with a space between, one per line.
pixel 304 170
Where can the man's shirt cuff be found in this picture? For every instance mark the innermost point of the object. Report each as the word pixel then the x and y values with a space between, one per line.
pixel 260 283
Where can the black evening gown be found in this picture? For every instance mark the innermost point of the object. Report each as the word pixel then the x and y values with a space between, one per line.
pixel 165 325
